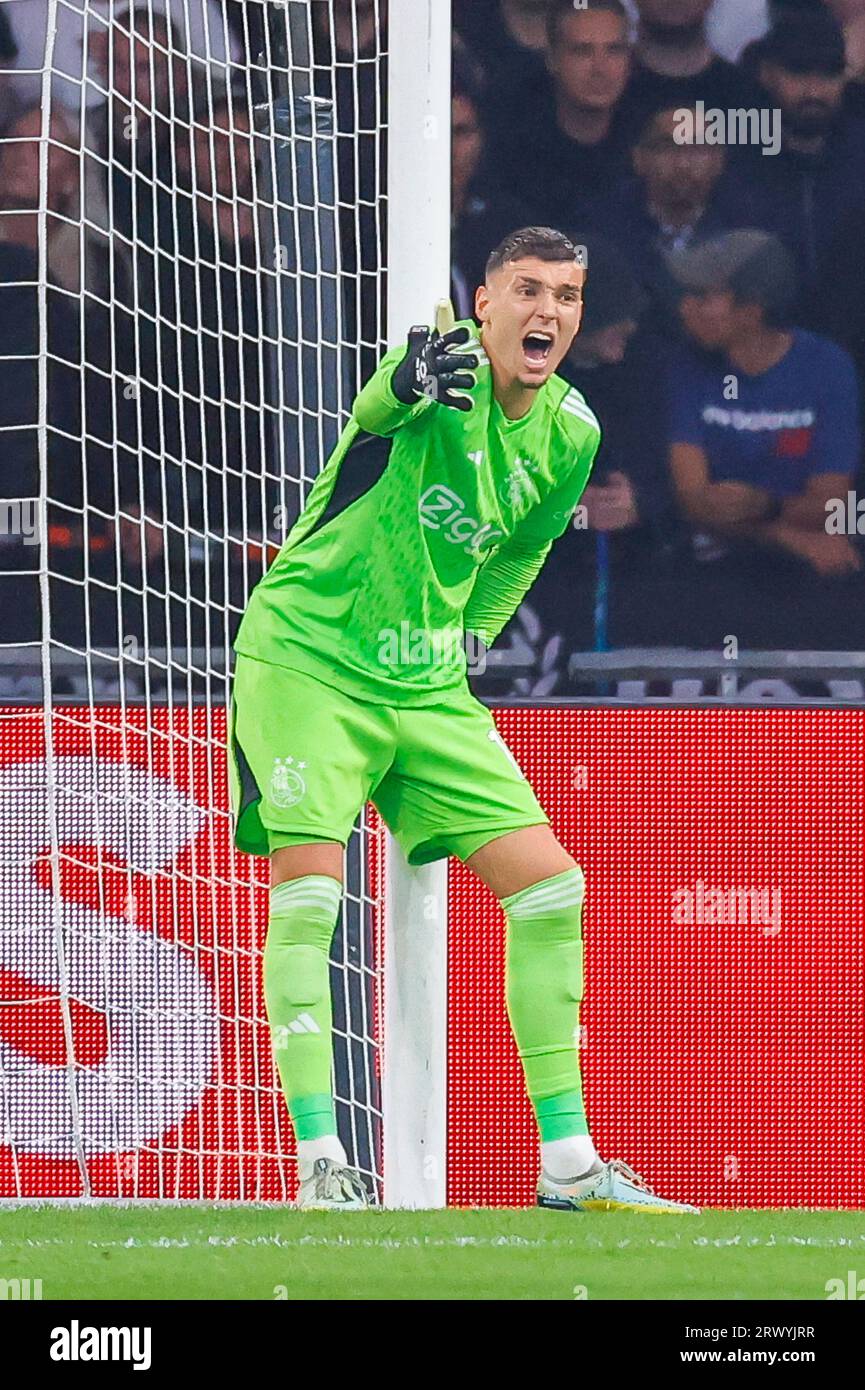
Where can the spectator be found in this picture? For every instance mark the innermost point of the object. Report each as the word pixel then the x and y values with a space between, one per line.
pixel 22 324
pixel 20 196
pixel 223 185
pixel 219 301
pixel 350 48
pixel 675 64
pixel 679 194
pixel 138 147
pixel 193 490
pixel 558 159
pixel 138 162
pixel 132 176
pixel 509 39
pixel 803 193
pixel 20 222
pixel 731 25
pixel 482 216
pixel 200 24
pixel 764 432
pixel 615 365
pixel 850 14
pixel 354 28
pixel 508 34
pixel 203 434
pixel 135 130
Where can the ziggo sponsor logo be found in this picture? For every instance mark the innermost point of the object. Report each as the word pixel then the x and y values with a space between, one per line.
pixel 442 510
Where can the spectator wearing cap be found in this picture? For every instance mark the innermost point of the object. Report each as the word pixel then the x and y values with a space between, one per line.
pixel 675 64
pixel 482 213
pixel 802 193
pixel 679 194
pixel 764 432
pixel 561 157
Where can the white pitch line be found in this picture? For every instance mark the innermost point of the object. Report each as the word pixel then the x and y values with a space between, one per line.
pixel 430 1242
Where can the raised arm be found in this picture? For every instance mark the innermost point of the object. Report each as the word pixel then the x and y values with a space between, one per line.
pixel 429 370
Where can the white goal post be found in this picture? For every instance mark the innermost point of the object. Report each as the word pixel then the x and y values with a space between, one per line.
pixel 216 231
pixel 414 1098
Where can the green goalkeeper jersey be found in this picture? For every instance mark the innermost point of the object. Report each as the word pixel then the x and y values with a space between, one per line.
pixel 425 522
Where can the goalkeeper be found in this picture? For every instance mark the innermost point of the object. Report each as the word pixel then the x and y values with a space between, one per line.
pixel 463 460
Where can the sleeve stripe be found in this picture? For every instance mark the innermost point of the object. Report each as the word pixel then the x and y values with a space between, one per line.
pixel 574 406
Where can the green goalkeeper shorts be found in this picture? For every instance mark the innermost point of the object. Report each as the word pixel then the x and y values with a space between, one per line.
pixel 305 758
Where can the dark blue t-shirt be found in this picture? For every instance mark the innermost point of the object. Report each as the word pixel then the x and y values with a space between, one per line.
pixel 796 420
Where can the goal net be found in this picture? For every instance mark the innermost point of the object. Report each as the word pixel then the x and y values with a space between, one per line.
pixel 192 275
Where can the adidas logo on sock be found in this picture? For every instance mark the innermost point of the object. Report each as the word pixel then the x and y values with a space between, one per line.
pixel 304 1023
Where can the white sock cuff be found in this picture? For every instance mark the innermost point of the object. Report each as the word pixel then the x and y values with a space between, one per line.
pixel 318 893
pixel 564 890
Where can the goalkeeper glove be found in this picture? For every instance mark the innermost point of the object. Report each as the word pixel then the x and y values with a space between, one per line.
pixel 430 368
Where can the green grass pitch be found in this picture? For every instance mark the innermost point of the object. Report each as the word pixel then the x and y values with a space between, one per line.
pixel 175 1252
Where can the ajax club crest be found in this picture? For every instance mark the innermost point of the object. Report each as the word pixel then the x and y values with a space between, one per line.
pixel 287 786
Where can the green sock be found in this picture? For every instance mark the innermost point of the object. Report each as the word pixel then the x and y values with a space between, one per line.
pixel 544 979
pixel 303 915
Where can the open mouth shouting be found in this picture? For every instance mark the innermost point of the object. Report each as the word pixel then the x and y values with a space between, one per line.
pixel 537 348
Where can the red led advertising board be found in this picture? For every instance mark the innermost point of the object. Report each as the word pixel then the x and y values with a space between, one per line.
pixel 724 1014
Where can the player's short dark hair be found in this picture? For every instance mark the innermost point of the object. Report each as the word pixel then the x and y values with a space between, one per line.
pixel 560 9
pixel 545 243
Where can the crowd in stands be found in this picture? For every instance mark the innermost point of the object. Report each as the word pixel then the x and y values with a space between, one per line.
pixel 162 471
pixel 723 344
